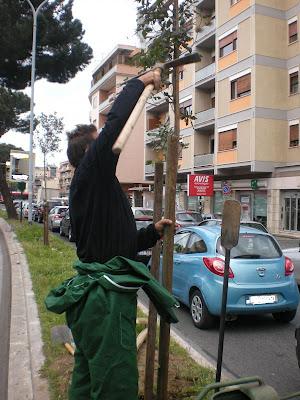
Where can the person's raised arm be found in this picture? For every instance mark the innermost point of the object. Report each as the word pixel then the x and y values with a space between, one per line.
pixel 101 149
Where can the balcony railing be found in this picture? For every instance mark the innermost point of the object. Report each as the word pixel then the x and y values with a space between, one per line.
pixel 205 73
pixel 159 100
pixel 206 32
pixel 205 118
pixel 149 168
pixel 107 103
pixel 203 160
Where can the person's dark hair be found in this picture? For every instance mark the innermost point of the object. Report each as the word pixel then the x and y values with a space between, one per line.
pixel 78 140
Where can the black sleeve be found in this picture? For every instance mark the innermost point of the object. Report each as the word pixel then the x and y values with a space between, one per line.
pixel 147 237
pixel 100 152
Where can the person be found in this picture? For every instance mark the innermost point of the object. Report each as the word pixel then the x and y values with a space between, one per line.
pixel 100 302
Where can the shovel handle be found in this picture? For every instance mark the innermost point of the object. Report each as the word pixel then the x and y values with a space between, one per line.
pixel 126 131
pixel 69 348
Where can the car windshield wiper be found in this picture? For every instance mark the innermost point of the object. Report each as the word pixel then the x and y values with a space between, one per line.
pixel 248 256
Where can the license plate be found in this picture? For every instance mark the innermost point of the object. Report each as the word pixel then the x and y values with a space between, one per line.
pixel 263 299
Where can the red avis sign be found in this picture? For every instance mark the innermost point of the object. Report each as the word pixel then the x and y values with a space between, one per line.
pixel 200 185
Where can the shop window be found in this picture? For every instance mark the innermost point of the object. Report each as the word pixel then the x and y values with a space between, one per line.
pixel 228 44
pixel 294 82
pixel 241 87
pixel 293 31
pixel 294 135
pixel 228 140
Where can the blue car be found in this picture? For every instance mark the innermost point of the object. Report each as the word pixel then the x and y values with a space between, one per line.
pixel 261 279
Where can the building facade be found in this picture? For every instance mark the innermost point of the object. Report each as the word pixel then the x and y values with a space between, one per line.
pixel 65 175
pixel 107 82
pixel 245 96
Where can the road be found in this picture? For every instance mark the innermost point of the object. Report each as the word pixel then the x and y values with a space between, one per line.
pixel 254 345
pixel 5 297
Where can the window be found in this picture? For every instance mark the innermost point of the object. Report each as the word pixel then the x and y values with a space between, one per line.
pixel 293 30
pixel 241 87
pixel 213 102
pixel 196 245
pixel 294 82
pixel 233 2
pixel 227 140
pixel 180 242
pixel 228 44
pixel 294 135
pixel 181 74
pixel 186 108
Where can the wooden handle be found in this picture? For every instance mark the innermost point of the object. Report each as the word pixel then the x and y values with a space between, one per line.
pixel 126 131
pixel 69 348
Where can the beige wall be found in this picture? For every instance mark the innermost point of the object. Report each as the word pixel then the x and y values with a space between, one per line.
pixel 293 154
pixel 271 87
pixel 201 143
pixel 131 162
pixel 270 140
pixel 244 42
pixel 279 4
pixel 202 100
pixel 188 153
pixel 188 76
pixel 293 49
pixel 271 36
pixel 223 97
pixel 244 141
pixel 205 59
pixel 224 12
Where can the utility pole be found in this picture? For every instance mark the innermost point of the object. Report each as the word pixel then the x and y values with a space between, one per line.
pixel 35 13
pixel 171 179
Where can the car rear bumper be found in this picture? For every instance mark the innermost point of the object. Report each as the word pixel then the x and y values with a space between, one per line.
pixel 287 297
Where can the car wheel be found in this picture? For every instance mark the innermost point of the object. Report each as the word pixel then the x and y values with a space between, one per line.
pixel 285 316
pixel 201 317
pixel 61 232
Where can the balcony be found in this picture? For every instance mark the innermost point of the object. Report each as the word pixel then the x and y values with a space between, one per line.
pixel 205 77
pixel 105 105
pixel 207 4
pixel 149 168
pixel 205 119
pixel 159 103
pixel 203 160
pixel 206 37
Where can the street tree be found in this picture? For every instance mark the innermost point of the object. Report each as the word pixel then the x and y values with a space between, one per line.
pixel 4 189
pixel 47 137
pixel 60 54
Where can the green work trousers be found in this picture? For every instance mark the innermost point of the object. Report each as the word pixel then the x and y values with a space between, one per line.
pixel 103 325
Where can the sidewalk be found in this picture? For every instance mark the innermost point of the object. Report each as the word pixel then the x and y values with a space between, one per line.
pixel 25 353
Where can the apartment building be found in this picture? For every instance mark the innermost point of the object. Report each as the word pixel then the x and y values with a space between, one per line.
pixel 107 82
pixel 245 96
pixel 65 175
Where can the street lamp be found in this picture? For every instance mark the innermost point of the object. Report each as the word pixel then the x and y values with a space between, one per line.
pixel 35 13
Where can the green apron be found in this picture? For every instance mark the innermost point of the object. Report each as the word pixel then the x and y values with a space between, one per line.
pixel 100 304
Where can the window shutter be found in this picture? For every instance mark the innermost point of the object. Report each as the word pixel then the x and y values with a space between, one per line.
pixel 228 39
pixel 294 75
pixel 294 133
pixel 293 29
pixel 226 140
pixel 244 84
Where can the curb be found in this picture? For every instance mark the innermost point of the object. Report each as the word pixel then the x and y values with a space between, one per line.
pixel 197 355
pixel 26 347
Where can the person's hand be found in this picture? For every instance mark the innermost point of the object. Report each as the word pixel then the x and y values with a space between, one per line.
pixel 160 225
pixel 153 76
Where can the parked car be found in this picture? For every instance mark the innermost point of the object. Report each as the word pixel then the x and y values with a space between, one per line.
pixel 144 255
pixel 55 217
pixel 251 224
pixel 261 278
pixel 196 215
pixel 65 226
pixel 51 204
pixel 139 212
pixel 183 218
pixel 207 216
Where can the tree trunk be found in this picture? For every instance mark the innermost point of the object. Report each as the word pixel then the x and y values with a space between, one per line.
pixel 8 201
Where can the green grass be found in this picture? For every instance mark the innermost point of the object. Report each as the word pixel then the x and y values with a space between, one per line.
pixel 49 266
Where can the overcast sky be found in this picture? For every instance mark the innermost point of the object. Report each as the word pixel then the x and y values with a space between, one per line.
pixel 106 24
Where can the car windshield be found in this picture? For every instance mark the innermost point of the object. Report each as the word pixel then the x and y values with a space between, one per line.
pixel 197 216
pixel 142 224
pixel 253 246
pixel 184 217
pixel 255 225
pixel 142 213
pixel 210 222
pixel 60 210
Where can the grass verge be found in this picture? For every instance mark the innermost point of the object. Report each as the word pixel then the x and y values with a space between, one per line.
pixel 51 265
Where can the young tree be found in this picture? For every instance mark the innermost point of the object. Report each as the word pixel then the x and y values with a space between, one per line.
pixel 4 189
pixel 47 137
pixel 60 54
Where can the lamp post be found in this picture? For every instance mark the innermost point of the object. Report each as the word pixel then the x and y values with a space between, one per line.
pixel 35 13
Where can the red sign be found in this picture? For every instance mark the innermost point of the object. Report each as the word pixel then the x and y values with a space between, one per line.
pixel 200 185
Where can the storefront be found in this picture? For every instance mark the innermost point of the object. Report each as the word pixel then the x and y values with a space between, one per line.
pixel 290 215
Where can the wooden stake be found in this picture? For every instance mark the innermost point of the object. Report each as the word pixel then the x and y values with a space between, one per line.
pixel 45 222
pixel 155 261
pixel 171 179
